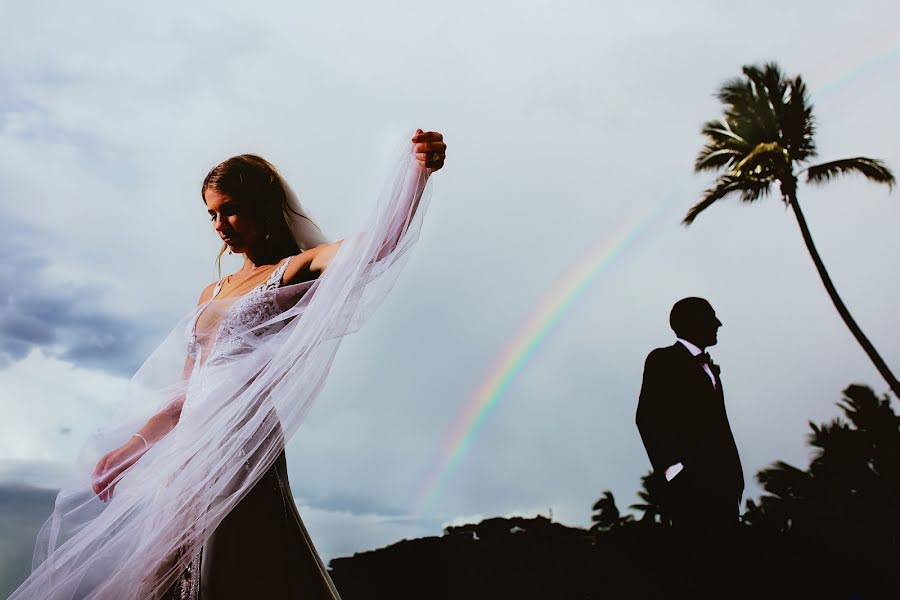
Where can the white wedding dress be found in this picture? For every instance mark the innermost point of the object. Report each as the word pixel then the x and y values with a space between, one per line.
pixel 207 512
pixel 261 549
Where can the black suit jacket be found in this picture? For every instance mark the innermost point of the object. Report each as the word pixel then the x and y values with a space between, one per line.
pixel 682 418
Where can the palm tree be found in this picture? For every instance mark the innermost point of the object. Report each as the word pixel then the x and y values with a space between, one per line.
pixel 852 485
pixel 766 132
pixel 651 500
pixel 607 514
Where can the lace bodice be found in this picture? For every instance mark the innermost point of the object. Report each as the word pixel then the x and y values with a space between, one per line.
pixel 189 482
pixel 247 312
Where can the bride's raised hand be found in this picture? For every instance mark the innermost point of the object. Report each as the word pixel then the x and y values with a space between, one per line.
pixel 431 151
pixel 113 464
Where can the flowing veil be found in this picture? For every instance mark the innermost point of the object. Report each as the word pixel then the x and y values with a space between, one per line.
pixel 243 395
pixel 305 231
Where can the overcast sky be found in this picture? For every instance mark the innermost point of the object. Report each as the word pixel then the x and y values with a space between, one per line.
pixel 565 122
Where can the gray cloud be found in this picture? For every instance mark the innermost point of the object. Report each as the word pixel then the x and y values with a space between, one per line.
pixel 68 320
pixel 565 121
pixel 353 504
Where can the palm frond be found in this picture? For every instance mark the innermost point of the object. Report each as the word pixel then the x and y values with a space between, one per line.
pixel 744 108
pixel 798 124
pixel 753 124
pixel 735 92
pixel 713 158
pixel 769 95
pixel 750 190
pixel 765 159
pixel 871 168
pixel 753 108
pixel 721 133
pixel 724 148
pixel 761 107
pixel 607 513
pixel 784 481
pixel 755 189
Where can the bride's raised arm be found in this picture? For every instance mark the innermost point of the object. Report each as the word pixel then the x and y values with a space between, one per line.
pixel 430 151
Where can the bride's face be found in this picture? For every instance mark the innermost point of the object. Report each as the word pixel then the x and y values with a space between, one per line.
pixel 232 220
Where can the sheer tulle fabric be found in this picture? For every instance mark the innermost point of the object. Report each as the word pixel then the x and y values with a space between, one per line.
pixel 252 377
pixel 304 229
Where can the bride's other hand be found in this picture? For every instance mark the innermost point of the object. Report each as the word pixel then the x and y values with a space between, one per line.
pixel 431 151
pixel 113 464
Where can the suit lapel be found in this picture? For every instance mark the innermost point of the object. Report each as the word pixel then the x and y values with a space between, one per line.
pixel 699 373
pixel 719 391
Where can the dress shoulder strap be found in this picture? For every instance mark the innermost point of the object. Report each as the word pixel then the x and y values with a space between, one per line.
pixel 218 288
pixel 277 274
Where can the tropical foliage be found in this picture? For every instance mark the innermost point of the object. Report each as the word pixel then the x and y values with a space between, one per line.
pixel 827 531
pixel 853 481
pixel 606 514
pixel 831 530
pixel 766 138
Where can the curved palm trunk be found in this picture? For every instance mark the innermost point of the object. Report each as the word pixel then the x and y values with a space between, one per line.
pixel 838 303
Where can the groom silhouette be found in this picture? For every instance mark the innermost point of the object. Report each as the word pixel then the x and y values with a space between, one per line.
pixel 682 420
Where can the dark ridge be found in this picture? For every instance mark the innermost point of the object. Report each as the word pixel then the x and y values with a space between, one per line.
pixel 23 509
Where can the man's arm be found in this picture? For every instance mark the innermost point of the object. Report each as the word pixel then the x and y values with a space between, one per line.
pixel 658 418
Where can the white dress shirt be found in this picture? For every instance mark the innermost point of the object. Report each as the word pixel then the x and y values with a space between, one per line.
pixel 675 469
pixel 695 351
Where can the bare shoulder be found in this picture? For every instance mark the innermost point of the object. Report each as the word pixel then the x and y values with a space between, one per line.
pixel 207 293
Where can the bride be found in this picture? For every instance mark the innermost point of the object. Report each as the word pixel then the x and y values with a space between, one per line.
pixel 185 494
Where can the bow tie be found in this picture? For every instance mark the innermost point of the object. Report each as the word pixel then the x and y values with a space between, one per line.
pixel 706 359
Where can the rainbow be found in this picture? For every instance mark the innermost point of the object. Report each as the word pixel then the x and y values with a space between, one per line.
pixel 872 56
pixel 567 292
